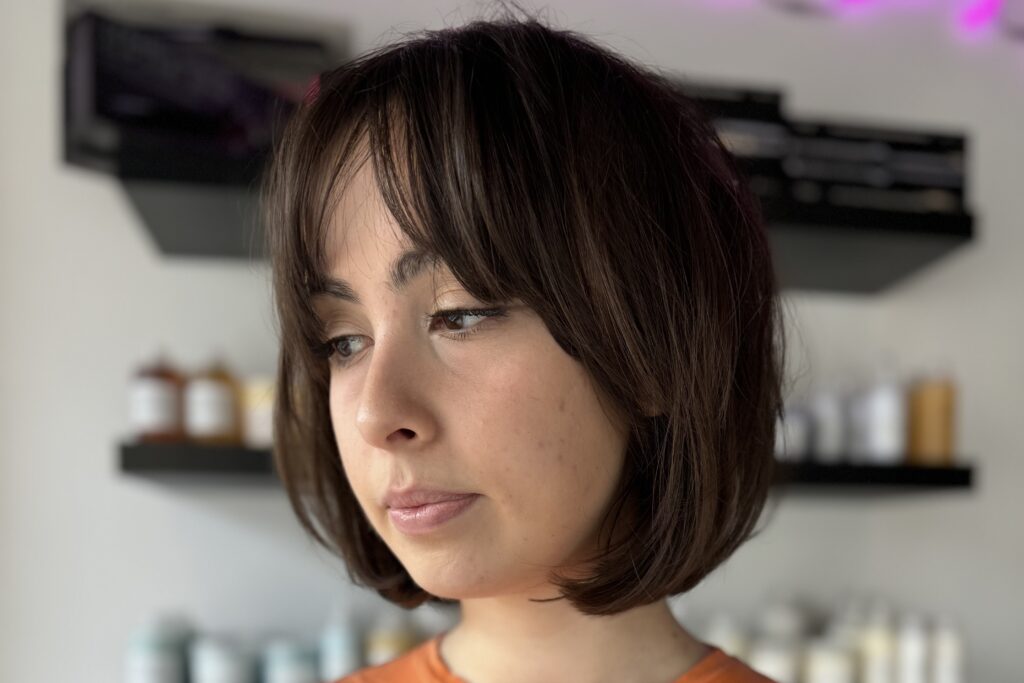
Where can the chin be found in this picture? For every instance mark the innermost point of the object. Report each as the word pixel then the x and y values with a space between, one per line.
pixel 450 581
pixel 461 579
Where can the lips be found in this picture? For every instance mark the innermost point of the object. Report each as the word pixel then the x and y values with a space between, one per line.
pixel 431 517
pixel 413 498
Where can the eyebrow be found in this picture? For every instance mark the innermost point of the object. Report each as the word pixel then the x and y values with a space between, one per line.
pixel 405 268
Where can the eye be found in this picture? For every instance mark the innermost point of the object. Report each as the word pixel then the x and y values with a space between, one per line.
pixel 340 353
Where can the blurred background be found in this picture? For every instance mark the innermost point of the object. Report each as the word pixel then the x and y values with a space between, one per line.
pixel 144 537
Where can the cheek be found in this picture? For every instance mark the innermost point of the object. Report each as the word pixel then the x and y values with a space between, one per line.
pixel 555 457
pixel 343 426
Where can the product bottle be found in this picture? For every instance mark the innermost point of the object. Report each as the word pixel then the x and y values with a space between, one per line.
pixel 932 405
pixel 947 653
pixel 258 411
pixel 828 661
pixel 213 406
pixel 878 647
pixel 340 645
pixel 779 660
pixel 219 660
pixel 155 402
pixel 829 437
pixel 286 661
pixel 878 419
pixel 157 651
pixel 912 650
pixel 392 635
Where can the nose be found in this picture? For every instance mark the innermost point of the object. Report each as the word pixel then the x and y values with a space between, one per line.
pixel 395 398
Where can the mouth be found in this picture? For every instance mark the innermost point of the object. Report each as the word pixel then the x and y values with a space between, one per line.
pixel 421 519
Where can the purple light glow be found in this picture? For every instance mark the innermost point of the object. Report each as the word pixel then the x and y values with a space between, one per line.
pixel 980 15
pixel 850 9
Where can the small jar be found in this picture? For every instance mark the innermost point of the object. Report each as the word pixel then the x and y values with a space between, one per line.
pixel 286 661
pixel 341 647
pixel 827 410
pixel 155 402
pixel 258 412
pixel 779 660
pixel 156 652
pixel 391 636
pixel 828 661
pixel 878 647
pixel 219 660
pixel 912 650
pixel 213 407
pixel 947 652
pixel 930 428
pixel 878 422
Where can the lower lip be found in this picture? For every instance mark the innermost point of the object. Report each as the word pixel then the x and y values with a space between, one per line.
pixel 426 518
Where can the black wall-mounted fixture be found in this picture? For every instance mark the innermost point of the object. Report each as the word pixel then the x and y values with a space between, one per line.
pixel 181 105
pixel 850 207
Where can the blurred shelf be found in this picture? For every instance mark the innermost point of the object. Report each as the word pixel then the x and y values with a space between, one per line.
pixel 811 475
pixel 216 463
pixel 858 250
pixel 196 461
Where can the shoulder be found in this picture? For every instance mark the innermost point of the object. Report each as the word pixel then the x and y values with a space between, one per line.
pixel 415 665
pixel 718 667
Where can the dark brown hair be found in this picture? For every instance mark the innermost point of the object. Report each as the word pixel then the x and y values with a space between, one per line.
pixel 538 165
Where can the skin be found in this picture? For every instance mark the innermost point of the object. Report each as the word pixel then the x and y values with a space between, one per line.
pixel 506 414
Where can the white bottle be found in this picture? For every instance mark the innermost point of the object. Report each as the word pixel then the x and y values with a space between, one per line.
pixel 779 660
pixel 878 647
pixel 827 411
pixel 391 635
pixel 341 645
pixel 157 652
pixel 286 661
pixel 828 661
pixel 214 659
pixel 912 650
pixel 947 653
pixel 878 419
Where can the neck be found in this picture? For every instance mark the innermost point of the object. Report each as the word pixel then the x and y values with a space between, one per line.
pixel 512 640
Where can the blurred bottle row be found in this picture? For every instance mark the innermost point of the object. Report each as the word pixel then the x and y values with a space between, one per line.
pixel 170 649
pixel 887 419
pixel 211 406
pixel 861 641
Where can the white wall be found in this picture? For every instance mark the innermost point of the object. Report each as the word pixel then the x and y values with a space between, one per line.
pixel 86 554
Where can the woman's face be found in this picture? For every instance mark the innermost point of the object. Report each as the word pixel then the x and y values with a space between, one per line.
pixel 504 413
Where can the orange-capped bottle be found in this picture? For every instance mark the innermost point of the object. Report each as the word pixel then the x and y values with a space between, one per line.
pixel 155 402
pixel 213 406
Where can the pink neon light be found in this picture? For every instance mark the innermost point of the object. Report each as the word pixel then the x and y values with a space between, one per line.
pixel 980 14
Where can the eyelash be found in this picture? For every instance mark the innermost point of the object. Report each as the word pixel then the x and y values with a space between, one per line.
pixel 328 349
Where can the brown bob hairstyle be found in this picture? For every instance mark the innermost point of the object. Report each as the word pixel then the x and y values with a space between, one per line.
pixel 538 165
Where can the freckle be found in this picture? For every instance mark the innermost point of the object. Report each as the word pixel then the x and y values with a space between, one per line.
pixel 561 405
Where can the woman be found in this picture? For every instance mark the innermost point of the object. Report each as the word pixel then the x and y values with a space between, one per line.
pixel 531 350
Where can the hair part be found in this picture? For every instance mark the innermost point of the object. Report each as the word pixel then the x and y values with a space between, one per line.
pixel 538 165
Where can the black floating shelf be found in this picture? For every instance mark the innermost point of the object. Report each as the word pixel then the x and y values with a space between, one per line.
pixel 191 461
pixel 858 250
pixel 806 475
pixel 194 460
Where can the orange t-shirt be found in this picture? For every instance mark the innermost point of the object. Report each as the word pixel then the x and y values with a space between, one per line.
pixel 423 664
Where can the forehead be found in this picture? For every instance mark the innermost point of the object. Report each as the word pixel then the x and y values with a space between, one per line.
pixel 361 229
